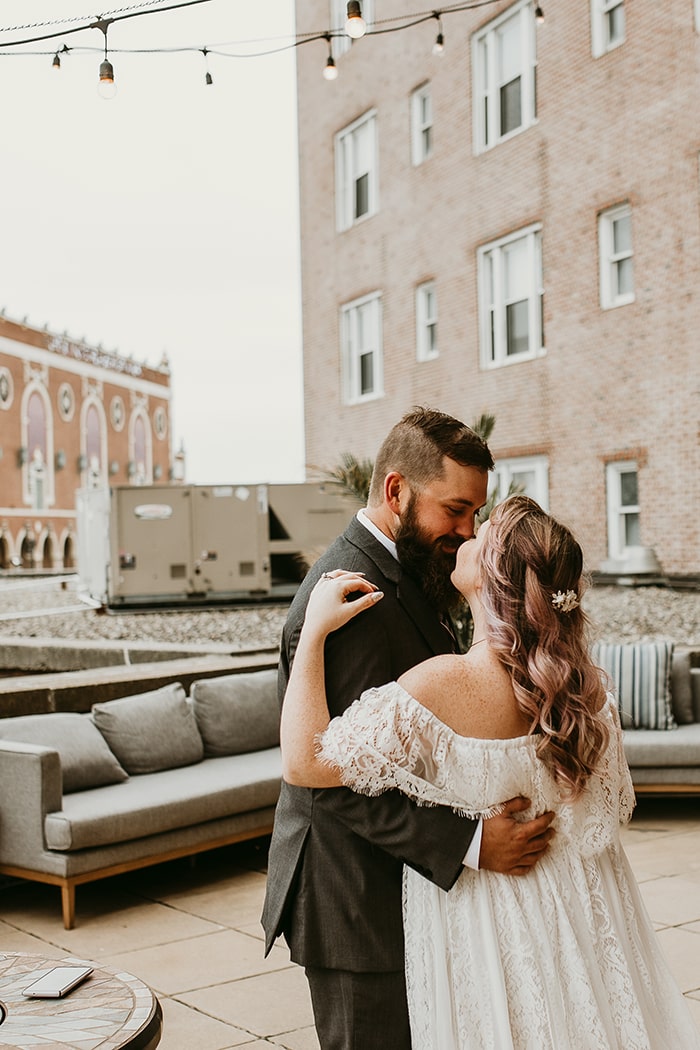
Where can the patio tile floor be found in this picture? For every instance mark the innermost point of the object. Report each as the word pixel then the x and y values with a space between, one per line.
pixel 190 929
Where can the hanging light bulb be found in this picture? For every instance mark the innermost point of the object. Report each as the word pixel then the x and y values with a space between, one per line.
pixel 56 61
pixel 106 88
pixel 355 25
pixel 208 79
pixel 330 70
pixel 439 45
pixel 539 14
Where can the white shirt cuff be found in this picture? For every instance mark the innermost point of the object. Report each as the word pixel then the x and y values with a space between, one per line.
pixel 472 858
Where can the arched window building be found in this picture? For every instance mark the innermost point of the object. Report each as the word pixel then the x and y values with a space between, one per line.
pixel 72 416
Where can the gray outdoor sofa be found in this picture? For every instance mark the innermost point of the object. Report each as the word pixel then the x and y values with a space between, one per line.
pixel 149 778
pixel 138 780
pixel 658 690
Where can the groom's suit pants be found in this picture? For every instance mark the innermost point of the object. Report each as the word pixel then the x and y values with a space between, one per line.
pixel 359 1011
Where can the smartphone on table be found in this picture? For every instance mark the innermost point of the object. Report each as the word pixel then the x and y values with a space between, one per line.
pixel 57 982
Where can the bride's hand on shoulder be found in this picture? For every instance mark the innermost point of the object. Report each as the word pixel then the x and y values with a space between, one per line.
pixel 330 604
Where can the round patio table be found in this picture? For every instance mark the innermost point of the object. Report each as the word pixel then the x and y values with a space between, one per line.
pixel 111 1009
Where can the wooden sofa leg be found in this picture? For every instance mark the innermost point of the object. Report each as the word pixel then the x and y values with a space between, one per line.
pixel 68 904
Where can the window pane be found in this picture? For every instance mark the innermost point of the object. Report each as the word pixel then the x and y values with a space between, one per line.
pixel 622 234
pixel 515 257
pixel 427 138
pixel 623 271
pixel 616 24
pixel 432 338
pixel 632 530
pixel 510 107
pixel 524 481
pixel 517 328
pixel 361 196
pixel 509 50
pixel 366 373
pixel 629 496
pixel 362 146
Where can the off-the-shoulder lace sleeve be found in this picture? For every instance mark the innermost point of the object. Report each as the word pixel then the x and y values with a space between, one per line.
pixel 386 740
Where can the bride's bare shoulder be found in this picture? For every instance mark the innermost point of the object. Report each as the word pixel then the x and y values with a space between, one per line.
pixel 431 675
pixel 473 696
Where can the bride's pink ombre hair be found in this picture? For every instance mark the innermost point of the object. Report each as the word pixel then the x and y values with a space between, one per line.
pixel 527 557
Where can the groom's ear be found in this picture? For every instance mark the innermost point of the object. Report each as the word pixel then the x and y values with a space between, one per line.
pixel 396 492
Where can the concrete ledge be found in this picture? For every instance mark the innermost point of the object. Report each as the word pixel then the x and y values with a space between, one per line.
pixel 79 690
pixel 56 654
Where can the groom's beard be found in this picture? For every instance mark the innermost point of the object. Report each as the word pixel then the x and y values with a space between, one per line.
pixel 426 562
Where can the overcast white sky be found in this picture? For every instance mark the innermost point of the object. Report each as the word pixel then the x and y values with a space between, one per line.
pixel 165 219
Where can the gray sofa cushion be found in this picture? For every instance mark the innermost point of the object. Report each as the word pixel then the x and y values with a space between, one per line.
pixel 659 748
pixel 86 760
pixel 151 731
pixel 159 802
pixel 237 713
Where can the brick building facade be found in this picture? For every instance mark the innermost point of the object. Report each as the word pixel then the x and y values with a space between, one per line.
pixel 71 416
pixel 513 227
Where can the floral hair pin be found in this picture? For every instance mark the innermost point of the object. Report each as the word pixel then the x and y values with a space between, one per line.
pixel 565 601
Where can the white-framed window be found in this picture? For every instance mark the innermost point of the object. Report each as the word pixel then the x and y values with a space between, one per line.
pixel 421 124
pixel 616 257
pixel 622 495
pixel 338 16
pixel 361 348
pixel 357 195
pixel 511 297
pixel 504 61
pixel 697 16
pixel 426 321
pixel 607 25
pixel 528 475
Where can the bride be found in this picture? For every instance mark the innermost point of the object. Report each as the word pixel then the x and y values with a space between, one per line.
pixel 564 958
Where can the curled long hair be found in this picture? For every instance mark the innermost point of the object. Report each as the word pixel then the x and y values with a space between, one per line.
pixel 527 558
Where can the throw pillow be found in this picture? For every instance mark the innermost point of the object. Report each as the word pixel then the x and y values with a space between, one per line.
pixel 86 760
pixel 238 712
pixel 641 676
pixel 681 688
pixel 151 731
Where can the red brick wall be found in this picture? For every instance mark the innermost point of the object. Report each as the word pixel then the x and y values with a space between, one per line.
pixel 619 128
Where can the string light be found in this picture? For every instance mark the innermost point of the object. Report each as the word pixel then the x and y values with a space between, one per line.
pixel 330 70
pixel 355 26
pixel 57 57
pixel 106 88
pixel 439 45
pixel 539 14
pixel 208 79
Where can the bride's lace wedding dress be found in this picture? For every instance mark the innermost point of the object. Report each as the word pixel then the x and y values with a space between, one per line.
pixel 564 958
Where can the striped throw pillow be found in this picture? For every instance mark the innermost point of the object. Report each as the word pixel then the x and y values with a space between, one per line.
pixel 641 677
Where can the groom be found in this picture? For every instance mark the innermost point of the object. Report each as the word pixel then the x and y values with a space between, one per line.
pixel 336 858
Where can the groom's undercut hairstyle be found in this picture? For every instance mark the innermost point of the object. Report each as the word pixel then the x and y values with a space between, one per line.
pixel 416 448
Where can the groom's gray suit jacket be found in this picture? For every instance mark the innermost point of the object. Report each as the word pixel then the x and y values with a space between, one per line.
pixel 336 858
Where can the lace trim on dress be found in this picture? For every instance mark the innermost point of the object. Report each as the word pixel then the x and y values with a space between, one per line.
pixel 387 739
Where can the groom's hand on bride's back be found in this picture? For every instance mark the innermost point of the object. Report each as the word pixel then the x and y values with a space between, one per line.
pixel 510 846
